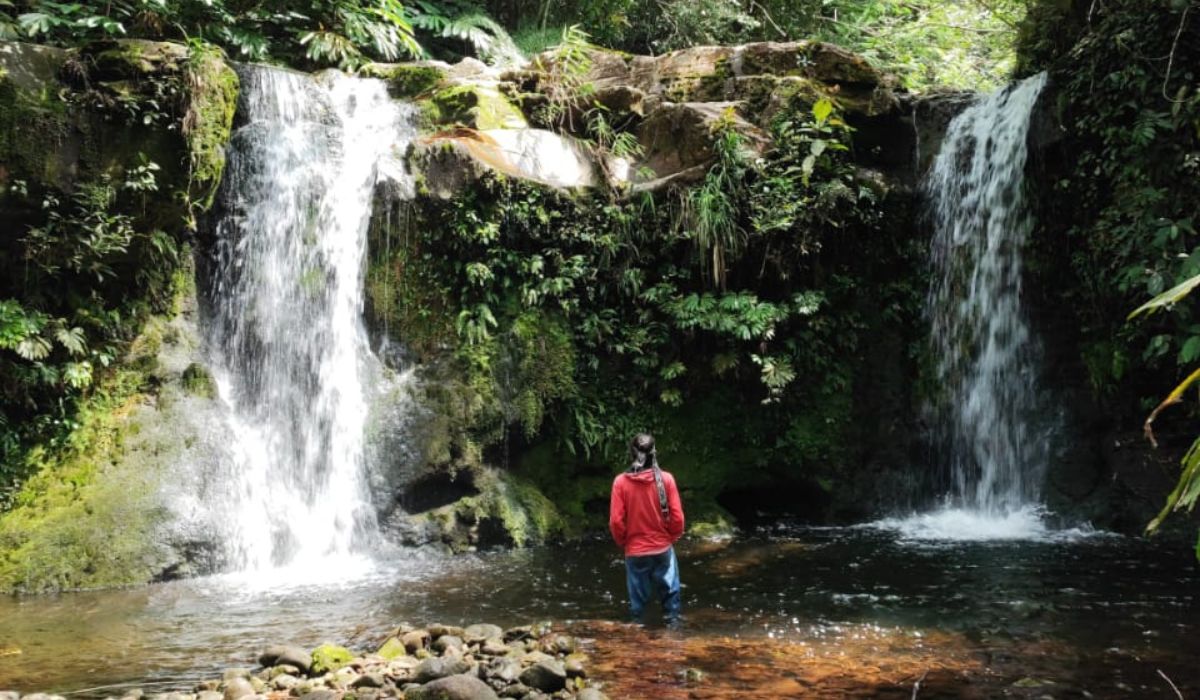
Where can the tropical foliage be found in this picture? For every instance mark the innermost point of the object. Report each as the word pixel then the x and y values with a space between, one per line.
pixel 580 317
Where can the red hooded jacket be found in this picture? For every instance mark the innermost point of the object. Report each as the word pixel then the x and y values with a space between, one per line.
pixel 634 516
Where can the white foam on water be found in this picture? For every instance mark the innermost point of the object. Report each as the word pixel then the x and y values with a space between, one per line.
pixel 968 525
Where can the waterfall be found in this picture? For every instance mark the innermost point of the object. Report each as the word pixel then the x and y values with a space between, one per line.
pixel 981 339
pixel 284 318
pixel 986 357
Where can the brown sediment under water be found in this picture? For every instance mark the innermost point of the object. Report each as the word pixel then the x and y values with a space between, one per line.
pixel 785 612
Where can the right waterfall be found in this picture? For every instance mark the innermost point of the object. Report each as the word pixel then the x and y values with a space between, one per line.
pixel 986 359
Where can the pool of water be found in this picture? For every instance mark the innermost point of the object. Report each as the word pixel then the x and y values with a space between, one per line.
pixel 786 612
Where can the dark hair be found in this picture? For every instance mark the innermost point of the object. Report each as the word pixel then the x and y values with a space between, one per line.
pixel 644 456
pixel 642 452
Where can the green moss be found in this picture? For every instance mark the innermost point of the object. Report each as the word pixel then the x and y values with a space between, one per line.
pixel 391 649
pixel 545 364
pixel 406 80
pixel 475 106
pixel 33 124
pixel 212 91
pixel 329 657
pixel 198 381
pixel 87 519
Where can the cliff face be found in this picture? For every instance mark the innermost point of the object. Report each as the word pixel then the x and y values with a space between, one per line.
pixel 551 198
pixel 558 282
pixel 107 154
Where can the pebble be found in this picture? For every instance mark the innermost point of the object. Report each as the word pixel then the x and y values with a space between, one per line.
pixel 237 688
pixel 286 655
pixel 545 675
pixel 415 640
pixel 479 662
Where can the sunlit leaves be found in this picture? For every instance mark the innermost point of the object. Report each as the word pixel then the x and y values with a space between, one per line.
pixel 1168 298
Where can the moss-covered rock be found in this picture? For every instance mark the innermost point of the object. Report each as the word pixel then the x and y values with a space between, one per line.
pixel 207 121
pixel 500 510
pixel 391 649
pixel 329 657
pixel 476 105
pixel 408 80
pixel 74 117
pixel 198 381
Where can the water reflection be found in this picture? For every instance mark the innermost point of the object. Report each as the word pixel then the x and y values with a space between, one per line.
pixel 806 612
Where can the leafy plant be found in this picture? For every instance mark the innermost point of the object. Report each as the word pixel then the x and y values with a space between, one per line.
pixel 344 33
pixel 468 23
pixel 1187 491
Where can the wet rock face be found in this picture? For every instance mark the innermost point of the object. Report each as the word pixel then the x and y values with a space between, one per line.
pixel 669 101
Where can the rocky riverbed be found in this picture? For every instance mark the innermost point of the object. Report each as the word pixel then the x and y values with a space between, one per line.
pixel 436 662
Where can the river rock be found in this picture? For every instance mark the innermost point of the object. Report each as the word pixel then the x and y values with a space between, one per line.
pixel 559 644
pixel 574 664
pixel 321 695
pixel 506 670
pixel 456 687
pixel 535 657
pixel 209 695
pixel 237 688
pixel 374 679
pixel 288 669
pixel 286 655
pixel 9 695
pixel 590 694
pixel 435 668
pixel 480 633
pixel 230 674
pixel 513 634
pixel 42 696
pixel 415 640
pixel 439 630
pixel 516 690
pixel 447 641
pixel 494 646
pixel 549 676
pixel 329 657
pixel 391 649
pixel 284 681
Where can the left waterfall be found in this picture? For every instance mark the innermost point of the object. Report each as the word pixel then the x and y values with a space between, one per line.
pixel 284 314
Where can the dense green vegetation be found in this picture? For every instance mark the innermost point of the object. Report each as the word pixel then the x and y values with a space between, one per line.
pixel 95 242
pixel 1121 190
pixel 962 43
pixel 750 304
pixel 764 321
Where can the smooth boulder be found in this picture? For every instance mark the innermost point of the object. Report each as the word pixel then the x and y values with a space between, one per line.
pixel 457 687
pixel 286 655
pixel 549 676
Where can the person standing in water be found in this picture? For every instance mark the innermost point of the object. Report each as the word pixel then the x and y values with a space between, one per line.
pixel 645 517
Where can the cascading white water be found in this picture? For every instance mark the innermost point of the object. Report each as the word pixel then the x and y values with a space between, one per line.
pixel 984 351
pixel 986 357
pixel 285 327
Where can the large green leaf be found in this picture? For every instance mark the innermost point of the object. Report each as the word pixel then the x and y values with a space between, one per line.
pixel 1168 298
pixel 1184 496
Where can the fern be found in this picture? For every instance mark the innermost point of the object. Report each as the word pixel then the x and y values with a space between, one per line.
pixel 454 20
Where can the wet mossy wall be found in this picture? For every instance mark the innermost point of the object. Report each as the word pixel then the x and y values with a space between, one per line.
pixel 108 153
pixel 543 349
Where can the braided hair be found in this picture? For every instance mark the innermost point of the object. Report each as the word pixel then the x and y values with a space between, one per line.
pixel 644 456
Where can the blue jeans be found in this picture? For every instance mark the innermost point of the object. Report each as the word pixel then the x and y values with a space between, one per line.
pixel 645 574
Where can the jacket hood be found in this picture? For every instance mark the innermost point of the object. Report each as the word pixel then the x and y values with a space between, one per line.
pixel 643 475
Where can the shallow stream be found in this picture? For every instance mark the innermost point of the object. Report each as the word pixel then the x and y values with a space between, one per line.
pixel 790 612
